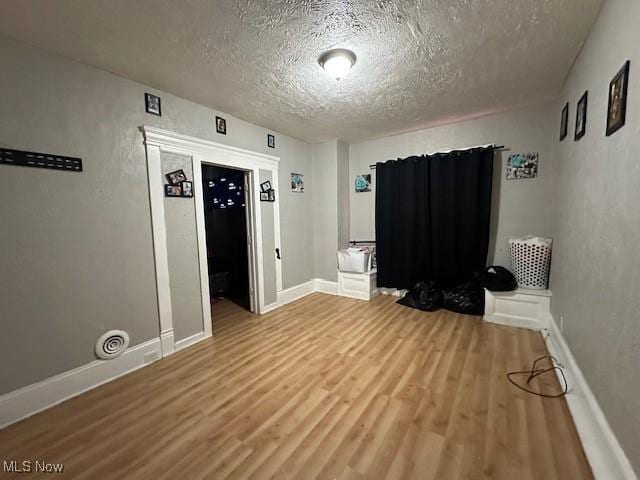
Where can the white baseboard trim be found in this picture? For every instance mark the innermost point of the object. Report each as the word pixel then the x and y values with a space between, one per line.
pixel 299 291
pixel 167 342
pixel 270 307
pixel 294 293
pixel 34 398
pixel 605 455
pixel 193 339
pixel 325 286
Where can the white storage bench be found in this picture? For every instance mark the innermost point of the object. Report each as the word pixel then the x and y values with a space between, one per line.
pixel 358 285
pixel 521 308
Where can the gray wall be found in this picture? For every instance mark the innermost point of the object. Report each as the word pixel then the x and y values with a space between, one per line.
pixel 595 271
pixel 268 244
pixel 182 252
pixel 325 209
pixel 343 194
pixel 77 255
pixel 520 207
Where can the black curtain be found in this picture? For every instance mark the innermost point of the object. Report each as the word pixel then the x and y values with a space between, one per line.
pixel 433 217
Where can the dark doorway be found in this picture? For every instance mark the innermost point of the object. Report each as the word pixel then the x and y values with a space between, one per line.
pixel 225 213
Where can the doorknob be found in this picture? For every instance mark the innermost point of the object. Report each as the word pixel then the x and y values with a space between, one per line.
pixel 278 253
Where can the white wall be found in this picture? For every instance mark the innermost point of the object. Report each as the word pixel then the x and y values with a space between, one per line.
pixel 520 207
pixel 77 255
pixel 596 266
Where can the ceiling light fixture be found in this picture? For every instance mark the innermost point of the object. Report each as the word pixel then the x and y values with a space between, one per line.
pixel 337 62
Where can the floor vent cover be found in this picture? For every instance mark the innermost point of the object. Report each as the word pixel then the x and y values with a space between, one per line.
pixel 112 344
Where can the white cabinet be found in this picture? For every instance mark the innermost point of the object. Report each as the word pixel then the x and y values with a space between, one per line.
pixel 358 285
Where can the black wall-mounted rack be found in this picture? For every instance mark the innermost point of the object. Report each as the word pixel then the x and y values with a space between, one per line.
pixel 40 160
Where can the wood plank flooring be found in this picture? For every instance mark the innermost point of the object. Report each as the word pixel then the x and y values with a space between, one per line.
pixel 326 387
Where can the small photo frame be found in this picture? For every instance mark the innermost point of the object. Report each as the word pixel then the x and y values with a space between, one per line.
pixel 264 196
pixel 221 125
pixel 152 104
pixel 176 178
pixel 522 166
pixel 187 188
pixel 564 122
pixel 271 141
pixel 265 186
pixel 297 182
pixel 581 116
pixel 617 111
pixel 172 190
pixel 272 195
pixel 363 183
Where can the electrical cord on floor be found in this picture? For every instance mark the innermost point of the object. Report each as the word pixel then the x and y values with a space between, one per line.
pixel 536 372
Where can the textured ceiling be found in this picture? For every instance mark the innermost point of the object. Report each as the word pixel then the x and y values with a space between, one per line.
pixel 420 62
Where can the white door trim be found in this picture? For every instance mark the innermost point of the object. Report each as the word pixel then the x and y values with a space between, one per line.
pixel 201 151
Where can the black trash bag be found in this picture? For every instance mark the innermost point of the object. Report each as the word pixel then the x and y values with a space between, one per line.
pixel 467 299
pixel 425 296
pixel 498 279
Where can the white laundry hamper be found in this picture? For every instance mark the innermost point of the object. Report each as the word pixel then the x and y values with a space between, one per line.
pixel 531 261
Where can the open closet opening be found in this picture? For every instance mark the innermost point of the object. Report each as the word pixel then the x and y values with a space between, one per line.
pixel 227 224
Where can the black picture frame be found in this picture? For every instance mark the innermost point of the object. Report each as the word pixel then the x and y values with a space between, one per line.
pixel 272 195
pixel 581 116
pixel 172 190
pixel 271 141
pixel 617 106
pixel 564 122
pixel 265 186
pixel 187 188
pixel 221 125
pixel 152 104
pixel 176 178
pixel 264 196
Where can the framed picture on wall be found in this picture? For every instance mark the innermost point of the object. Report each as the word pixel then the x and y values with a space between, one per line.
pixel 271 141
pixel 221 125
pixel 564 122
pixel 187 189
pixel 272 195
pixel 152 104
pixel 172 191
pixel 297 182
pixel 363 183
pixel 265 186
pixel 581 116
pixel 176 178
pixel 617 111
pixel 264 196
pixel 522 166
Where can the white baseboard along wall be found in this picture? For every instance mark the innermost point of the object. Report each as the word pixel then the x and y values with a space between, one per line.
pixel 34 398
pixel 606 457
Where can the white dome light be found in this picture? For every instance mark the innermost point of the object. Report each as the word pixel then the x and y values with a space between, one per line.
pixel 338 62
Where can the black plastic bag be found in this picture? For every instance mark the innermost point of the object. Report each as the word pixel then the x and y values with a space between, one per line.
pixel 467 299
pixel 425 296
pixel 498 279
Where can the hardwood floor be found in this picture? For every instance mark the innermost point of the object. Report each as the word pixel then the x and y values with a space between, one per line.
pixel 326 387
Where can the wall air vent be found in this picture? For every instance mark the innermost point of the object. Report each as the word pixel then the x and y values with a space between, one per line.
pixel 112 344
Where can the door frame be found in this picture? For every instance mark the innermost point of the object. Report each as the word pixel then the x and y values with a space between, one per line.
pixel 201 151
